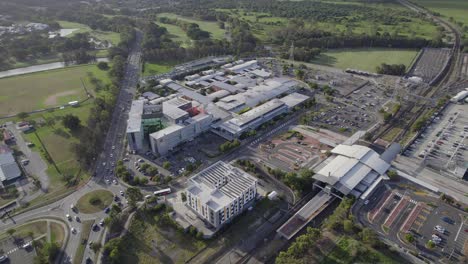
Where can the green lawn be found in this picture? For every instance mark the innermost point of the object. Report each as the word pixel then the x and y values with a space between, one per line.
pixel 458 9
pixel 158 68
pixel 112 37
pixel 24 93
pixel 38 228
pixel 85 204
pixel 212 27
pixel 177 34
pixel 364 59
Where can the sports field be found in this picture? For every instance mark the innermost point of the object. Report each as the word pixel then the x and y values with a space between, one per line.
pixel 365 59
pixel 212 27
pixel 458 9
pixel 24 93
pixel 112 37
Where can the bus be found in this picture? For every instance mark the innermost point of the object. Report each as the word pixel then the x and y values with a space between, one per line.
pixel 162 192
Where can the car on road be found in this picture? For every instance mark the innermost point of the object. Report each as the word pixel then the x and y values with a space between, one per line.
pixel 3 258
pixel 141 160
pixel 126 159
pixel 122 193
pixel 89 260
pixel 102 222
pixel 73 230
pixel 27 245
pixel 95 227
pixel 107 210
pixel 113 147
pixel 68 217
pixel 77 218
pixel 114 182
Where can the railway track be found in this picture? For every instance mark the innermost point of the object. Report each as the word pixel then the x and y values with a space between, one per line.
pixel 448 77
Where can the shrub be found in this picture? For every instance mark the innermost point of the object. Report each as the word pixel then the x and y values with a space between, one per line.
pixel 94 200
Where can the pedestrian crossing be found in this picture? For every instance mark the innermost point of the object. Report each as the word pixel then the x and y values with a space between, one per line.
pixel 401 196
pixel 11 251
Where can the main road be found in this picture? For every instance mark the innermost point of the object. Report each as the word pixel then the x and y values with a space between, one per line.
pixel 113 150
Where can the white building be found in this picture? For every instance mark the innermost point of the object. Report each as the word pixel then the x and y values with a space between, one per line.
pixel 170 137
pixel 251 119
pixel 220 192
pixel 134 125
pixel 353 169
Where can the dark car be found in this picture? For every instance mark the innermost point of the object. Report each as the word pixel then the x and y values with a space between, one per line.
pixel 448 220
pixel 3 258
pixel 107 210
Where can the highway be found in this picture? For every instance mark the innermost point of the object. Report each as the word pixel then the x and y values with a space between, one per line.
pixel 113 150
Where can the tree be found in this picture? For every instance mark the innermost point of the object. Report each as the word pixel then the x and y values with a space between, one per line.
pixel 71 122
pixel 348 226
pixel 134 195
pixel 300 73
pixel 95 247
pixel 11 231
pixel 166 165
pixel 430 244
pixel 23 115
pixel 369 237
pixel 392 174
pixel 183 196
pixel 102 65
pixel 409 237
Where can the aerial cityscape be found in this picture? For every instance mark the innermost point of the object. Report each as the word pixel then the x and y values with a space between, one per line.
pixel 221 131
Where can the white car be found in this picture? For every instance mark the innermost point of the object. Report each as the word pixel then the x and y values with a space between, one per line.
pixel 439 229
pixel 27 245
pixel 73 230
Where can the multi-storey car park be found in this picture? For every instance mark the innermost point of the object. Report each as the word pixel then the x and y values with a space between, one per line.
pixel 233 100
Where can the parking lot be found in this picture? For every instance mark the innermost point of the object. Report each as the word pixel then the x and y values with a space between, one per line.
pixel 443 143
pixel 400 211
pixel 15 252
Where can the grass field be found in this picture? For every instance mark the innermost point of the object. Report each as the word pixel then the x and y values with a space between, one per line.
pixel 38 228
pixel 112 37
pixel 364 59
pixel 49 128
pixel 458 9
pixel 212 27
pixel 57 234
pixel 24 93
pixel 158 68
pixel 177 34
pixel 86 206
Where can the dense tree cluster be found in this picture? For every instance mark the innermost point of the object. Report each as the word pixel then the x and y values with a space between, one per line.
pixel 391 69
pixel 192 30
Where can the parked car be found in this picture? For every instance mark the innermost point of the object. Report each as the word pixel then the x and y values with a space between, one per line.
pixel 448 220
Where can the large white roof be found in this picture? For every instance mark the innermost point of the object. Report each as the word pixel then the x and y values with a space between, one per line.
pixel 349 166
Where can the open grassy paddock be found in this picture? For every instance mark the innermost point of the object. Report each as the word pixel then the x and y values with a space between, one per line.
pixel 212 27
pixel 112 37
pixel 458 9
pixel 94 201
pixel 158 68
pixel 24 93
pixel 365 59
pixel 177 34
